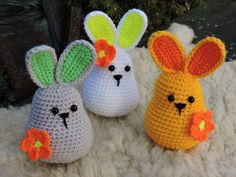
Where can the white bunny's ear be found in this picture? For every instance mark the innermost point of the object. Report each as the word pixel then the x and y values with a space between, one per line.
pixel 99 26
pixel 41 63
pixel 131 28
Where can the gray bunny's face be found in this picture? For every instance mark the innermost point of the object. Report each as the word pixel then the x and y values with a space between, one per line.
pixel 57 106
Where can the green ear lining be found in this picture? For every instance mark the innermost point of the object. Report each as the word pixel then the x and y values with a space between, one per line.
pixel 76 60
pixel 41 63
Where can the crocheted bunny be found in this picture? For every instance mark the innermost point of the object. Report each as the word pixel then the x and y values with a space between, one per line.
pixel 110 89
pixel 59 130
pixel 176 117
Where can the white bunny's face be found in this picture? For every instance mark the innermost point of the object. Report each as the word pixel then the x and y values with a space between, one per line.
pixel 120 69
pixel 112 91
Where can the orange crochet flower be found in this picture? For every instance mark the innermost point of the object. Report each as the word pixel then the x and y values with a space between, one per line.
pixel 201 125
pixel 36 143
pixel 105 53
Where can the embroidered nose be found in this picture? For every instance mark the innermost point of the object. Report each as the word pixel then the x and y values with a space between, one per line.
pixel 180 106
pixel 64 115
pixel 117 77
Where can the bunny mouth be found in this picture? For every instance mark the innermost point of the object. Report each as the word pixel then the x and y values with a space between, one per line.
pixel 180 107
pixel 64 116
pixel 117 77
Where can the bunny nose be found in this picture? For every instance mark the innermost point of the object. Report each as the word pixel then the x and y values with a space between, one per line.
pixel 64 115
pixel 180 106
pixel 117 77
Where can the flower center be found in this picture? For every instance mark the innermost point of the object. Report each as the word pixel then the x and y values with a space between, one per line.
pixel 38 144
pixel 101 53
pixel 202 125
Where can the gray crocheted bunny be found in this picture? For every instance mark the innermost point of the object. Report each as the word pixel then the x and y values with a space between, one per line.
pixel 59 130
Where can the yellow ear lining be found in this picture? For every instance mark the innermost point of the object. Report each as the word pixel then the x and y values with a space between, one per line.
pixel 99 26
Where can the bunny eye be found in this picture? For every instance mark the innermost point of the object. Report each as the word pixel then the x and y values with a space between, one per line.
pixel 73 108
pixel 171 98
pixel 55 110
pixel 111 68
pixel 191 99
pixel 127 68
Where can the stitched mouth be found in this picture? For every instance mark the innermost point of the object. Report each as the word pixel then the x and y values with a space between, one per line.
pixel 64 122
pixel 64 116
pixel 179 111
pixel 117 77
pixel 180 107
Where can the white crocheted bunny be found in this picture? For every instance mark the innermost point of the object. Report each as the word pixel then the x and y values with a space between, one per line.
pixel 58 129
pixel 110 89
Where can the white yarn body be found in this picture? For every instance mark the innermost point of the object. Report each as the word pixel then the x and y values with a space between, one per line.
pixel 101 94
pixel 67 144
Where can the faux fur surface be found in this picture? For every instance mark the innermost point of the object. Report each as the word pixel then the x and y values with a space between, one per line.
pixel 121 148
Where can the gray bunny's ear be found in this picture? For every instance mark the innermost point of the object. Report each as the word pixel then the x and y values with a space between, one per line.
pixel 75 62
pixel 41 63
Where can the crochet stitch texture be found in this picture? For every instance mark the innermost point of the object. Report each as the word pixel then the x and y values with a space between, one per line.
pixel 178 94
pixel 57 106
pixel 110 89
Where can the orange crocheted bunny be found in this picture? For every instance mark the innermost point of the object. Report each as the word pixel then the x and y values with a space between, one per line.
pixel 176 117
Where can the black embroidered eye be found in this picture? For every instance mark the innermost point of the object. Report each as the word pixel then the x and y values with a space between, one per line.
pixel 73 108
pixel 111 68
pixel 191 99
pixel 171 98
pixel 55 110
pixel 127 68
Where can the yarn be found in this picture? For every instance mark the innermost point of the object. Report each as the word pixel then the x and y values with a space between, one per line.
pixel 37 144
pixel 176 117
pixel 57 109
pixel 70 142
pixel 110 89
pixel 102 94
pixel 105 53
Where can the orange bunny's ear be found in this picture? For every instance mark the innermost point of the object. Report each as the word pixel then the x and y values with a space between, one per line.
pixel 166 51
pixel 205 57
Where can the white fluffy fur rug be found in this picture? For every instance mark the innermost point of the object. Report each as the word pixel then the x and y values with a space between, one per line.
pixel 121 148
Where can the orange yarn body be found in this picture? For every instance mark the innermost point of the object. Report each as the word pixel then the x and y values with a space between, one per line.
pixel 162 122
pixel 176 117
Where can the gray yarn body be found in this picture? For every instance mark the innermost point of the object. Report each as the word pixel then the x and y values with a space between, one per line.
pixel 68 144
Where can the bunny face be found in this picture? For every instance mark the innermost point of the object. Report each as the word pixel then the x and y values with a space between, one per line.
pixel 57 107
pixel 119 72
pixel 184 98
pixel 110 89
pixel 59 110
pixel 177 117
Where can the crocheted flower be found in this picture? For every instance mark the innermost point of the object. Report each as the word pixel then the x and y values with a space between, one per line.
pixel 201 125
pixel 37 144
pixel 105 53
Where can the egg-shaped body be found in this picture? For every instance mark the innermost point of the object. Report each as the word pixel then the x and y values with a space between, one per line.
pixel 59 110
pixel 168 116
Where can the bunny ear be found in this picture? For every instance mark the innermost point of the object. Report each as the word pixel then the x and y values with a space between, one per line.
pixel 166 51
pixel 99 26
pixel 75 62
pixel 131 28
pixel 205 57
pixel 41 64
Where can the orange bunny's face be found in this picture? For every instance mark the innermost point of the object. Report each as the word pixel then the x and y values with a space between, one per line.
pixel 178 99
